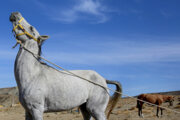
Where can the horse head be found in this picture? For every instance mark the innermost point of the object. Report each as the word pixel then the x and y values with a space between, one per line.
pixel 24 31
pixel 170 99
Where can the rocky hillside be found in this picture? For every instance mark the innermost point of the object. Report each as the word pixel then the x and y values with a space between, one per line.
pixel 8 96
pixel 125 109
pixel 9 91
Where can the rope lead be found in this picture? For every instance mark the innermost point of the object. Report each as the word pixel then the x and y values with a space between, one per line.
pixel 19 42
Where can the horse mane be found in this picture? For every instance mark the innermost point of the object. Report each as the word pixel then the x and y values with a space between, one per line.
pixel 40 49
pixel 40 53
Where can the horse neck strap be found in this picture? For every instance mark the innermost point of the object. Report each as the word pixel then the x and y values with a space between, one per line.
pixel 24 31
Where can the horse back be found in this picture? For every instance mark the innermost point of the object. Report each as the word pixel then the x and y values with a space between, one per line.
pixel 152 98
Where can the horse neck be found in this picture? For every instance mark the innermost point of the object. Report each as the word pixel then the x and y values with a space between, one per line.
pixel 26 65
pixel 165 97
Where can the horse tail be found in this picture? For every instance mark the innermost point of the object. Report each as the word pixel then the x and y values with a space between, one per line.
pixel 116 96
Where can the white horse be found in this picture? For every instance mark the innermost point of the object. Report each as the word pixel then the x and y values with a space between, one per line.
pixel 45 89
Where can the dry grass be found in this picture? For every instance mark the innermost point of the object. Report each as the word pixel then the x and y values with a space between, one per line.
pixel 1 106
pixel 125 110
pixel 177 107
pixel 5 109
pixel 147 111
pixel 132 108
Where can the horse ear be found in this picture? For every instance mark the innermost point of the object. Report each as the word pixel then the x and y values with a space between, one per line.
pixel 42 38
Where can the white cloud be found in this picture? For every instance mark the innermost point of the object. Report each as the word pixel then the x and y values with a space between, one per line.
pixel 91 7
pixel 91 10
pixel 88 6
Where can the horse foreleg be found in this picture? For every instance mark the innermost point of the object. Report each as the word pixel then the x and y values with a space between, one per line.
pixel 161 111
pixel 37 114
pixel 28 116
pixel 140 109
pixel 157 113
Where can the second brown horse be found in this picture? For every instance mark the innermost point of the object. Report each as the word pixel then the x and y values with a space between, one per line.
pixel 154 99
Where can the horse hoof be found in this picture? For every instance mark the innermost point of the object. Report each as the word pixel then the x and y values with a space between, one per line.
pixel 142 116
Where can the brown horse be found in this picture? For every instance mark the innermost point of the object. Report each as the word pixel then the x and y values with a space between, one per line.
pixel 154 99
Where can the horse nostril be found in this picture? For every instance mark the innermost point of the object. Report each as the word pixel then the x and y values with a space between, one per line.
pixel 12 18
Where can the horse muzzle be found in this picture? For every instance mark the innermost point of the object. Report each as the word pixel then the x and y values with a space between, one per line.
pixel 171 103
pixel 14 16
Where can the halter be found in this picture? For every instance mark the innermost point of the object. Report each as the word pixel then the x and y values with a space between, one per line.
pixel 24 31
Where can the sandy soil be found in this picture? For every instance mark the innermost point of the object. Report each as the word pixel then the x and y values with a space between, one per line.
pixel 125 110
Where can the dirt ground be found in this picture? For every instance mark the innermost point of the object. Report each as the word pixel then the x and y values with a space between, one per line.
pixel 125 110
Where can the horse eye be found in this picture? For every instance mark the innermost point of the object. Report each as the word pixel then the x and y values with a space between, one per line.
pixel 31 28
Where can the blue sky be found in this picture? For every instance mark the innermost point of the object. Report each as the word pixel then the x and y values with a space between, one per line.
pixel 136 42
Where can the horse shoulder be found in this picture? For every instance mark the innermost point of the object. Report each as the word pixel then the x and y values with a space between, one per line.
pixel 150 98
pixel 159 99
pixel 141 96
